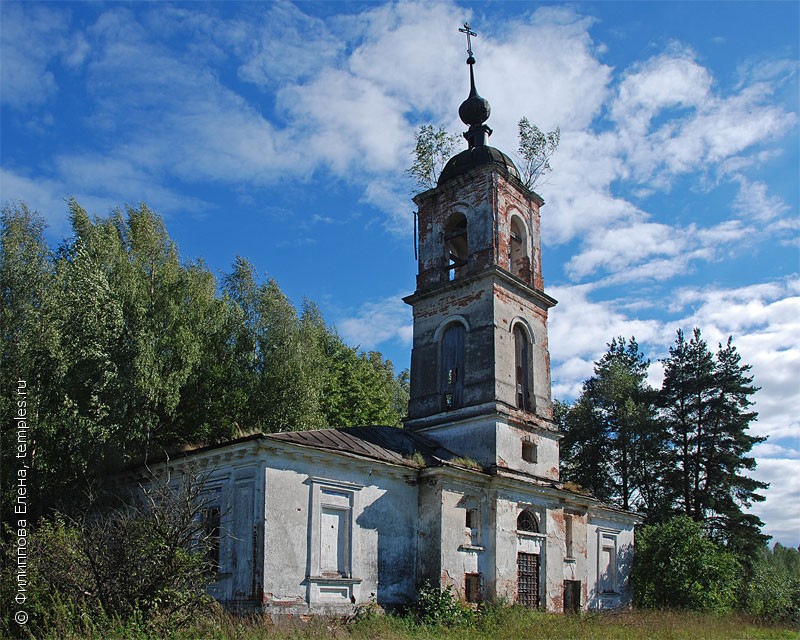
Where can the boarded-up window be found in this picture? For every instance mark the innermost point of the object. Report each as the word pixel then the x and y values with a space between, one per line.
pixel 453 366
pixel 333 552
pixel 242 540
pixel 522 361
pixel 472 587
pixel 456 246
pixel 572 596
pixel 528 451
pixel 568 523
pixel 528 580
pixel 608 563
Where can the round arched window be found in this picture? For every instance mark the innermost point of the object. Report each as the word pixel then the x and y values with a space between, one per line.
pixel 526 521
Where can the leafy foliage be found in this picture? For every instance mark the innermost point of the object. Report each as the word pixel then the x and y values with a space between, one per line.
pixel 126 350
pixel 536 148
pixel 432 149
pixel 705 402
pixel 612 444
pixel 772 589
pixel 681 450
pixel 675 565
pixel 145 561
pixel 437 606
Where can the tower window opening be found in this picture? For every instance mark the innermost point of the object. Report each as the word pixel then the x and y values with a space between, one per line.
pixel 456 246
pixel 453 366
pixel 528 451
pixel 519 262
pixel 522 362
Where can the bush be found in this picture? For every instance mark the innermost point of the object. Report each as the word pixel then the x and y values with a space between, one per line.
pixel 436 606
pixel 772 590
pixel 675 565
pixel 145 564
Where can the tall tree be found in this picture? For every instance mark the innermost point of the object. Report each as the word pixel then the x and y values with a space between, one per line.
pixel 30 366
pixel 613 442
pixel 705 402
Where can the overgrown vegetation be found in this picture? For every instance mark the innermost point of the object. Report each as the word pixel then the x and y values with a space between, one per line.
pixel 433 147
pixel 493 623
pixel 144 562
pixel 126 350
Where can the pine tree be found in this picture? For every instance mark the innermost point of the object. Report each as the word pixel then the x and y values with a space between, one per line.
pixel 613 441
pixel 705 403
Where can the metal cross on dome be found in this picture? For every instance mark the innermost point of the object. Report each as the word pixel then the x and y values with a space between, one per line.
pixel 466 29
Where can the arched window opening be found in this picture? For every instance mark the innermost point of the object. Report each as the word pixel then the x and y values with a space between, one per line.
pixel 453 366
pixel 526 521
pixel 522 361
pixel 456 247
pixel 519 263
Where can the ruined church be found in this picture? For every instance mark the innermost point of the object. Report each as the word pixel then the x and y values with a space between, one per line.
pixel 467 494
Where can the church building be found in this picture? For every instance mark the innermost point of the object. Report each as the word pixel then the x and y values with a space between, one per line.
pixel 467 494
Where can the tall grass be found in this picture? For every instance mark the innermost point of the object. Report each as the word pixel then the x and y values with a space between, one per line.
pixel 498 623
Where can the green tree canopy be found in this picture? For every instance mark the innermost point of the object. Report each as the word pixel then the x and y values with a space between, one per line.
pixel 127 350
pixel 612 444
pixel 705 402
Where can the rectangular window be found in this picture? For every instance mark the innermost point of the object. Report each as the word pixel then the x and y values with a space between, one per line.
pixel 607 577
pixel 334 550
pixel 572 596
pixel 528 580
pixel 472 526
pixel 211 531
pixel 528 451
pixel 568 522
pixel 472 587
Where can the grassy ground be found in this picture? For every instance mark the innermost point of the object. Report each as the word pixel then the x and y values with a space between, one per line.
pixel 505 624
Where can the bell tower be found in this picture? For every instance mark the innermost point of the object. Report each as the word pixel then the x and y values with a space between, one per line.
pixel 480 367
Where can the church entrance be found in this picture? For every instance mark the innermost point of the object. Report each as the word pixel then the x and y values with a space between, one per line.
pixel 528 579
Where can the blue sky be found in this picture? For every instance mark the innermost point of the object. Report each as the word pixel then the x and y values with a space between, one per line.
pixel 280 131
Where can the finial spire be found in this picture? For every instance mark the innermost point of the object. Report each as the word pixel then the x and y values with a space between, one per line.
pixel 475 110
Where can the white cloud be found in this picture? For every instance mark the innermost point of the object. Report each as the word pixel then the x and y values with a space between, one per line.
pixel 753 201
pixel 377 322
pixel 782 520
pixel 43 195
pixel 30 40
pixel 579 330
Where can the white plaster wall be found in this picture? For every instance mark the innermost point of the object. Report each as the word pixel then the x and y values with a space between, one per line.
pixel 384 533
pixel 459 553
pixel 509 450
pixel 601 520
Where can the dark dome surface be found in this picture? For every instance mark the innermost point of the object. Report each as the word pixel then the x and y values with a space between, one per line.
pixel 475 157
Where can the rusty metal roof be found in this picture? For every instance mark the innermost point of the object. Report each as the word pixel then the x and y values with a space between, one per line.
pixel 389 444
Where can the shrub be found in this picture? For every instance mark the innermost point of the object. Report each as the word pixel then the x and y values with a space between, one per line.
pixel 437 606
pixel 675 565
pixel 772 590
pixel 144 563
